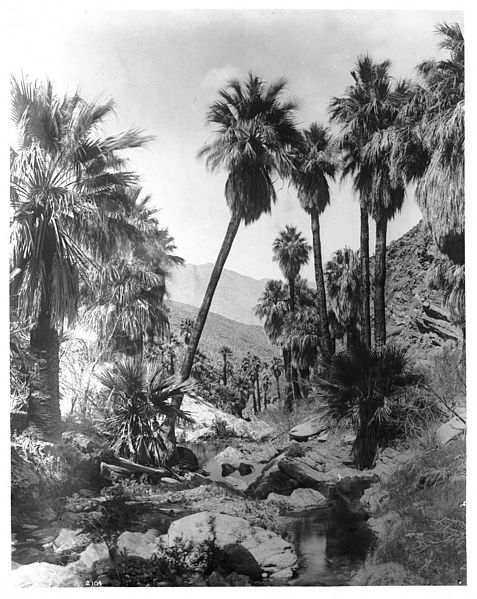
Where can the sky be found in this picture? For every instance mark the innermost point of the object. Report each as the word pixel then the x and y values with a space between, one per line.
pixel 163 69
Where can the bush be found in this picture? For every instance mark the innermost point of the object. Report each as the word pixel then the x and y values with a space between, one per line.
pixel 140 395
pixel 430 496
pixel 357 392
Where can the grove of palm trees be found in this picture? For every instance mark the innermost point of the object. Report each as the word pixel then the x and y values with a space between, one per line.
pixel 296 421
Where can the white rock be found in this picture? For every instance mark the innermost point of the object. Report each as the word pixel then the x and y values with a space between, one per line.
pixel 271 551
pixel 42 574
pixel 229 455
pixel 451 429
pixel 168 480
pixel 300 499
pixel 311 427
pixel 138 543
pixel 68 539
pixel 93 553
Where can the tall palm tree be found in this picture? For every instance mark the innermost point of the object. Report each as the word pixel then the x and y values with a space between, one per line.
pixel 342 275
pixel 291 251
pixel 429 143
pixel 356 112
pixel 255 131
pixel 225 352
pixel 69 207
pixel 367 113
pixel 316 161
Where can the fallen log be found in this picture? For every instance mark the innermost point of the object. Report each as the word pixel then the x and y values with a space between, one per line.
pixel 127 468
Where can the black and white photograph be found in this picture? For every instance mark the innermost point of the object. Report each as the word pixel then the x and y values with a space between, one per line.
pixel 237 325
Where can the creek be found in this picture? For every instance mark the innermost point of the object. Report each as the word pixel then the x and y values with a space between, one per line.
pixel 330 543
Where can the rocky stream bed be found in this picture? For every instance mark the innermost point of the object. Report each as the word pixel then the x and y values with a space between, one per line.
pixel 286 513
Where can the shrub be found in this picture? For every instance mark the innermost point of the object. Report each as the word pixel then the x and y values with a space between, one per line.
pixel 140 395
pixel 356 391
pixel 430 495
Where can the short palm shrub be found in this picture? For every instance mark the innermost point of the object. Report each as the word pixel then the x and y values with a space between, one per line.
pixel 358 392
pixel 139 397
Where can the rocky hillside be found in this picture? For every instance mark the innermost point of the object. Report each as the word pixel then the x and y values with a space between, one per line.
pixel 415 317
pixel 219 331
pixel 235 297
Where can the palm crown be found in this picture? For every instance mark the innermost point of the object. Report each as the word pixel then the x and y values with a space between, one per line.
pixel 255 132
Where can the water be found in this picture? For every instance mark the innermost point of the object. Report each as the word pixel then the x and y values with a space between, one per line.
pixel 330 543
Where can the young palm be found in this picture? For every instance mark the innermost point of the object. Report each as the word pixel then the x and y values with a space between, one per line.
pixel 254 133
pixel 69 206
pixel 225 352
pixel 316 161
pixel 187 324
pixel 343 285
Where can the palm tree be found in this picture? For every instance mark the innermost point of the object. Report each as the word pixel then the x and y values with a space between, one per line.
pixel 225 352
pixel 316 162
pixel 367 114
pixel 265 385
pixel 343 281
pixel 357 115
pixel 69 207
pixel 429 143
pixel 291 251
pixel 276 369
pixel 141 397
pixel 254 134
pixel 187 324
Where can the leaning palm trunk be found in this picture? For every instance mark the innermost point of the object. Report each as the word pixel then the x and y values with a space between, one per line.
pixel 201 319
pixel 44 416
pixel 320 287
pixel 380 282
pixel 365 286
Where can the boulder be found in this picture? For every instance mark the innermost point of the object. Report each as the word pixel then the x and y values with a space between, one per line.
pixel 300 499
pixel 451 429
pixel 69 539
pixel 386 527
pixel 311 427
pixel 227 469
pixel 206 416
pixel 169 481
pixel 42 574
pixel 239 559
pixel 139 544
pixel 94 553
pixel 229 455
pixel 245 469
pixel 272 553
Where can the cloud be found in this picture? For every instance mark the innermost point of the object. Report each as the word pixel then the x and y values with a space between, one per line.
pixel 218 77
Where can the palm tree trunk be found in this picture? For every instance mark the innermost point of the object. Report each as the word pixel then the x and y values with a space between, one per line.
pixel 320 286
pixel 225 371
pixel 259 399
pixel 365 286
pixel 278 389
pixel 186 368
pixel 44 415
pixel 380 282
